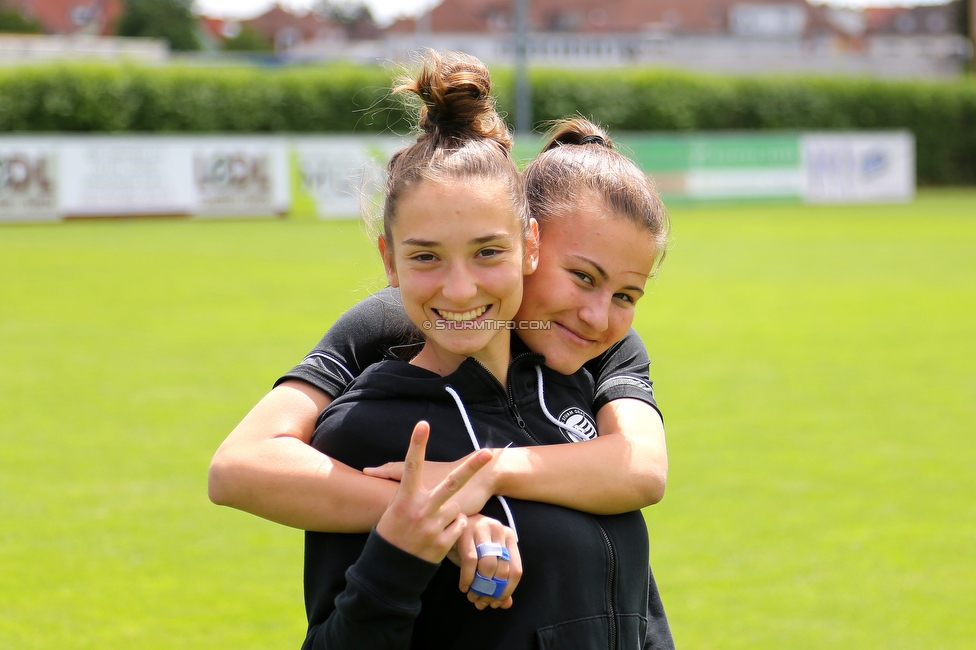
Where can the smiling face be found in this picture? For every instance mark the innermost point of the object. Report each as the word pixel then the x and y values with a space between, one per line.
pixel 457 253
pixel 592 269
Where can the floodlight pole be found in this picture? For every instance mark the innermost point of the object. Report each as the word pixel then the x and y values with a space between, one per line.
pixel 523 90
pixel 972 35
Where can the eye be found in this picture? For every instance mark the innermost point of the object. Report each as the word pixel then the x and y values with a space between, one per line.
pixel 488 252
pixel 423 257
pixel 623 297
pixel 585 278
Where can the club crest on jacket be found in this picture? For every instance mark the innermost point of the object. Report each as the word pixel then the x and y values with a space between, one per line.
pixel 579 421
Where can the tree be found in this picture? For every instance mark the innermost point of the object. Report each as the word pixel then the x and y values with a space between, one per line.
pixel 169 19
pixel 354 16
pixel 248 40
pixel 345 12
pixel 13 22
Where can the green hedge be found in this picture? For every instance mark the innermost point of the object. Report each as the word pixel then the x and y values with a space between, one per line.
pixel 942 115
pixel 343 98
pixel 110 98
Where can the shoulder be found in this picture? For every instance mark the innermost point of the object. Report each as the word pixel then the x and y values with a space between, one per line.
pixel 371 330
pixel 623 371
pixel 386 380
pixel 627 356
pixel 370 423
pixel 627 352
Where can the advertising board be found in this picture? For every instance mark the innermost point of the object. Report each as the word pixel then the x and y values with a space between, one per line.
pixel 28 182
pixel 52 177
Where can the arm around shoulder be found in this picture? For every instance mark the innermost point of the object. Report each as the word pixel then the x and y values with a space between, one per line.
pixel 625 468
pixel 646 455
pixel 266 467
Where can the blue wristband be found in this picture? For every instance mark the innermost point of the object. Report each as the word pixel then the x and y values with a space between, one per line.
pixel 491 587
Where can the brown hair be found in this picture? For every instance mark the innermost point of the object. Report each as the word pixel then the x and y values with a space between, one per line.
pixel 580 161
pixel 460 134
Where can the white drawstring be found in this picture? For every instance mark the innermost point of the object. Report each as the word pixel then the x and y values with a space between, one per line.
pixel 572 433
pixel 474 441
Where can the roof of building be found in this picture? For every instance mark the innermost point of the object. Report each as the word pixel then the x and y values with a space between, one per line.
pixel 72 16
pixel 594 16
pixel 278 22
pixel 678 17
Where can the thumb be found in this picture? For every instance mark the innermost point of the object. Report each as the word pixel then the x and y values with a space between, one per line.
pixel 383 471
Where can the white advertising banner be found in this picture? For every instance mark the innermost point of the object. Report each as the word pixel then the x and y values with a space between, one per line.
pixel 51 177
pixel 118 176
pixel 858 167
pixel 239 176
pixel 337 174
pixel 28 180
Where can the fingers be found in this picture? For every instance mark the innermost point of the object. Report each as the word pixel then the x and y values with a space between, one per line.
pixel 421 522
pixel 514 573
pixel 453 531
pixel 413 464
pixel 485 530
pixel 459 476
pixel 392 471
pixel 468 556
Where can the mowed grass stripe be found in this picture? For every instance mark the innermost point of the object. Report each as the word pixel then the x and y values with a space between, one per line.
pixel 815 367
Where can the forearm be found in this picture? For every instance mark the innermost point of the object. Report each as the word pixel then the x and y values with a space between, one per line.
pixel 267 468
pixel 288 482
pixel 623 469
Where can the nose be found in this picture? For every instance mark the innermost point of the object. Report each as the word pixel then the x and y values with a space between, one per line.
pixel 595 313
pixel 460 285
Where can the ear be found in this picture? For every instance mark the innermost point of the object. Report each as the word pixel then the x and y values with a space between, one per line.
pixel 386 252
pixel 530 261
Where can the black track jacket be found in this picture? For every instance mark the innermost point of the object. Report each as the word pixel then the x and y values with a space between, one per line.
pixel 586 579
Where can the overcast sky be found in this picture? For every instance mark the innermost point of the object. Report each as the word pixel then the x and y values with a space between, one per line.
pixel 386 10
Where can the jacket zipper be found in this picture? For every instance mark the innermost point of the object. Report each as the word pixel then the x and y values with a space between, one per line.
pixel 514 409
pixel 512 406
pixel 511 396
pixel 610 581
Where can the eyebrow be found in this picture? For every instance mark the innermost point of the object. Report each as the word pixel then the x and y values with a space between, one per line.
pixel 423 243
pixel 605 275
pixel 427 243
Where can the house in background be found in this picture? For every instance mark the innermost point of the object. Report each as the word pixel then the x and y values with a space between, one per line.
pixel 71 17
pixel 76 29
pixel 730 36
pixel 739 36
pixel 290 31
pixel 313 36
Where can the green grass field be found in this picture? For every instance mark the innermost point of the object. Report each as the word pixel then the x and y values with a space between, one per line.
pixel 815 366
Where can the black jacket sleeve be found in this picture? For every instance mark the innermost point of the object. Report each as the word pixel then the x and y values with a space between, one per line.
pixel 380 603
pixel 374 329
pixel 623 371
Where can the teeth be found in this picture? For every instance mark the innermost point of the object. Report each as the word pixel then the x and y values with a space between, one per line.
pixel 459 316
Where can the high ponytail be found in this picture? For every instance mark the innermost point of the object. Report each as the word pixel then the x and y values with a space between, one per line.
pixel 459 133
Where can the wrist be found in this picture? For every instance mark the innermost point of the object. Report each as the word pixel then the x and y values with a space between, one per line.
pixel 504 468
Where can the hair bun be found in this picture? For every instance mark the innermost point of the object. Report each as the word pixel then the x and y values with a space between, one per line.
pixel 593 139
pixel 577 131
pixel 455 96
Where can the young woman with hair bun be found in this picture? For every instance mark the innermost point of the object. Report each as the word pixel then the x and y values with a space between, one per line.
pixel 457 239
